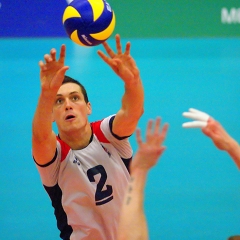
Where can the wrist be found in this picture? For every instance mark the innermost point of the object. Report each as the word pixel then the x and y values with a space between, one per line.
pixel 139 172
pixel 47 95
pixel 233 147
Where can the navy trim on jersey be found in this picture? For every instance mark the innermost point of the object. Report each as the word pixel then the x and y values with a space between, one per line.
pixel 115 135
pixel 127 162
pixel 91 138
pixel 55 194
pixel 49 163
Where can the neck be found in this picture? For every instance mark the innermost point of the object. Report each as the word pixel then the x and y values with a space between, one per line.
pixel 77 139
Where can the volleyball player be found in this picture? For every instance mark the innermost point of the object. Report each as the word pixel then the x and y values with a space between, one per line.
pixel 84 168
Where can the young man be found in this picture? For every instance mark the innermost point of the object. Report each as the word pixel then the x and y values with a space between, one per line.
pixel 132 224
pixel 83 168
pixel 213 129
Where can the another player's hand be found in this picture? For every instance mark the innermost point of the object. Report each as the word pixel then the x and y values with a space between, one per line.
pixel 149 151
pixel 200 118
pixel 52 71
pixel 210 127
pixel 121 63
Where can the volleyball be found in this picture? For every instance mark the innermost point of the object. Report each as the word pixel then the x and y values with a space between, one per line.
pixel 89 22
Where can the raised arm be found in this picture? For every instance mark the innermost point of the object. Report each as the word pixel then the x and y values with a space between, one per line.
pixel 213 129
pixel 125 67
pixel 51 76
pixel 132 224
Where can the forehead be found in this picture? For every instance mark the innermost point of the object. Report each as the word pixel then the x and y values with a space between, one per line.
pixel 68 88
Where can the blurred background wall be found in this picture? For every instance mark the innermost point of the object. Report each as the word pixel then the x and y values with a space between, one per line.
pixel 188 53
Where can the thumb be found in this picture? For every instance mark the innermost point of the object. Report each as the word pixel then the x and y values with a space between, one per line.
pixel 59 77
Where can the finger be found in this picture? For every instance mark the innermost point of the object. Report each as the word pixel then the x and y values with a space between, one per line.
pixel 199 112
pixel 196 116
pixel 127 50
pixel 53 54
pixel 164 130
pixel 195 110
pixel 59 77
pixel 149 126
pixel 47 58
pixel 189 115
pixel 62 53
pixel 106 59
pixel 149 130
pixel 62 71
pixel 42 65
pixel 157 124
pixel 194 124
pixel 103 56
pixel 109 51
pixel 118 44
pixel 163 134
pixel 138 136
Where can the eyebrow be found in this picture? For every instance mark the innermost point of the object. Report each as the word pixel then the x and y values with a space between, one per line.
pixel 58 95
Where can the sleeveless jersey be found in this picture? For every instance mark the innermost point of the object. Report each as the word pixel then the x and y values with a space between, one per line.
pixel 87 186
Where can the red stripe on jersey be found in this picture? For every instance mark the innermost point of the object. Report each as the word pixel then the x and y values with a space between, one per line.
pixel 64 149
pixel 98 132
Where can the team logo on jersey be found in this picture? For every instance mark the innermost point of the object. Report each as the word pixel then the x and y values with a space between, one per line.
pixel 109 154
pixel 77 161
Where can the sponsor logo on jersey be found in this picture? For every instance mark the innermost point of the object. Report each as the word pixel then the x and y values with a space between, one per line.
pixel 77 161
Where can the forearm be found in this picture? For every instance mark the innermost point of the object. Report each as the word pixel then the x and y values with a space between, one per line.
pixel 133 98
pixel 234 151
pixel 42 121
pixel 135 193
pixel 131 110
pixel 132 225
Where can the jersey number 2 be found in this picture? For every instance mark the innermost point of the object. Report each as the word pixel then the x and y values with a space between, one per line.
pixel 101 196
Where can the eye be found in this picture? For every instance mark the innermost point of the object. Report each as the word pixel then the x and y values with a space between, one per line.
pixel 75 98
pixel 59 101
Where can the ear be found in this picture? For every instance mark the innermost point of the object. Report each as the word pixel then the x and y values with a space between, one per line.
pixel 89 108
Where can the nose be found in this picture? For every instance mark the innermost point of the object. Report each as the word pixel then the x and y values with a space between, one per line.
pixel 68 104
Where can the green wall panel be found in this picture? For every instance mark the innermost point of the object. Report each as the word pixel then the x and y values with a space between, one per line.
pixel 179 18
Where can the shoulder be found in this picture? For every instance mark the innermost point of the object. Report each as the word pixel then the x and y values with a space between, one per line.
pixel 63 148
pixel 102 128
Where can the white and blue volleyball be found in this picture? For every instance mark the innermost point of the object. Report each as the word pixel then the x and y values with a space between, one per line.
pixel 89 22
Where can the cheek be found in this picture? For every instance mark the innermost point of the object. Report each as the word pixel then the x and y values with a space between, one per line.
pixel 83 111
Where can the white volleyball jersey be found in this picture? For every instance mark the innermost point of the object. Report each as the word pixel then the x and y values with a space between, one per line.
pixel 87 186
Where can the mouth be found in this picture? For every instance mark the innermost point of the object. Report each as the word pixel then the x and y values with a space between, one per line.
pixel 69 117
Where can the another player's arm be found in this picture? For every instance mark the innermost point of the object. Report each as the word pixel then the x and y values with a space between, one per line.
pixel 51 76
pixel 132 108
pixel 133 225
pixel 234 151
pixel 222 139
pixel 213 129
